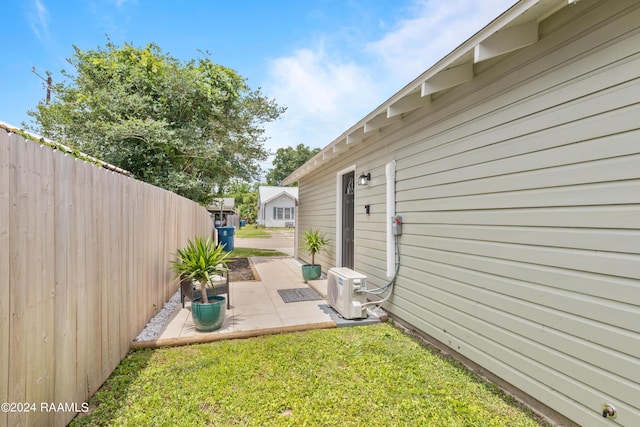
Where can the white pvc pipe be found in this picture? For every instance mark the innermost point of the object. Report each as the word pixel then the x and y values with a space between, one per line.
pixel 390 171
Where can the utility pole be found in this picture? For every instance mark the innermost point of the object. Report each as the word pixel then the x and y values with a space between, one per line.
pixel 48 80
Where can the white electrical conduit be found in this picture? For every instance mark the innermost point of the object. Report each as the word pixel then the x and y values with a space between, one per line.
pixel 392 240
pixel 391 212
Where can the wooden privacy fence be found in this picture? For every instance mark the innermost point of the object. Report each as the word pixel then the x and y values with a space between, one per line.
pixel 84 257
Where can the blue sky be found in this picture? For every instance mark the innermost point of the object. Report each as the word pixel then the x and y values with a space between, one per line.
pixel 330 62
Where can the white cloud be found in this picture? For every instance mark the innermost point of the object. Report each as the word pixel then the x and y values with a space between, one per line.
pixel 112 17
pixel 39 20
pixel 120 3
pixel 437 28
pixel 326 95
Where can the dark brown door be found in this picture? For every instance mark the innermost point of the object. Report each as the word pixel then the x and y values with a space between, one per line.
pixel 348 184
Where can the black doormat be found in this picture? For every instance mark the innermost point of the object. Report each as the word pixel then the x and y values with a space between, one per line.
pixel 298 294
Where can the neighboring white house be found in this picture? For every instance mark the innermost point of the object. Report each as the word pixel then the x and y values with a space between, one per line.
pixel 515 165
pixel 277 206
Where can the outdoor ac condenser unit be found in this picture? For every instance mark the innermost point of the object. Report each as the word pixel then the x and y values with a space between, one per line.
pixel 342 286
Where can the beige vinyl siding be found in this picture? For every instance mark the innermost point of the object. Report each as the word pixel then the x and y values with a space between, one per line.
pixel 318 190
pixel 520 199
pixel 520 194
pixel 318 212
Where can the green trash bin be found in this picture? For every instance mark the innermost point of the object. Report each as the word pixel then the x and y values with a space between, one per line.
pixel 225 237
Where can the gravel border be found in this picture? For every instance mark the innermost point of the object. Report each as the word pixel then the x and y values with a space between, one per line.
pixel 152 331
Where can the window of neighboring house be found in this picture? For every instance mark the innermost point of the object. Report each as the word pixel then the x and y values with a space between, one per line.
pixel 283 213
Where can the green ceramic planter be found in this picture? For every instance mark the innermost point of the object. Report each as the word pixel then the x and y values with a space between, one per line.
pixel 208 316
pixel 311 272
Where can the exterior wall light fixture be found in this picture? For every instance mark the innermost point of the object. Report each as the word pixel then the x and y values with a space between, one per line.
pixel 364 178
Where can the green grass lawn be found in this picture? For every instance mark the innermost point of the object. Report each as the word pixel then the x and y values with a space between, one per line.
pixel 250 232
pixel 357 376
pixel 247 252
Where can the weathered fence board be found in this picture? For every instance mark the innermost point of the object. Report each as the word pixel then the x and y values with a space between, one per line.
pixel 84 264
pixel 18 245
pixel 4 272
pixel 65 297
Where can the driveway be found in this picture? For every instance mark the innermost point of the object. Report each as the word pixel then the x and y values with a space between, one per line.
pixel 280 240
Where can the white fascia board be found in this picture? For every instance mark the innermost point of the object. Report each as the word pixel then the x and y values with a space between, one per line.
pixel 340 146
pixel 378 122
pixel 273 198
pixel 506 40
pixel 327 154
pixel 292 178
pixel 356 136
pixel 283 193
pixel 410 102
pixel 448 78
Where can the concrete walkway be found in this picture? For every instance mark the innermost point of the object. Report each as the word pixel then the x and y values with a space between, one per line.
pixel 256 308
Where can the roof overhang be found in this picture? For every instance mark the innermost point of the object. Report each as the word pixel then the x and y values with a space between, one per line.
pixel 283 193
pixel 516 28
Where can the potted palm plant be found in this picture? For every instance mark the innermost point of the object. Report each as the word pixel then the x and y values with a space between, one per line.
pixel 201 261
pixel 314 241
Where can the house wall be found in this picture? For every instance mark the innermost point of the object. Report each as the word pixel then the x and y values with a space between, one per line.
pixel 266 211
pixel 520 194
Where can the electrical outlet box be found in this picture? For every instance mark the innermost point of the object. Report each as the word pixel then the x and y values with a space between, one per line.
pixel 396 225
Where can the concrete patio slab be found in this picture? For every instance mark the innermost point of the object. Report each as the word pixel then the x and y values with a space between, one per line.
pixel 256 308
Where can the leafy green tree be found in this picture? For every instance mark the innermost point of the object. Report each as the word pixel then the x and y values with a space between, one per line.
pixel 248 208
pixel 246 199
pixel 288 160
pixel 183 126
